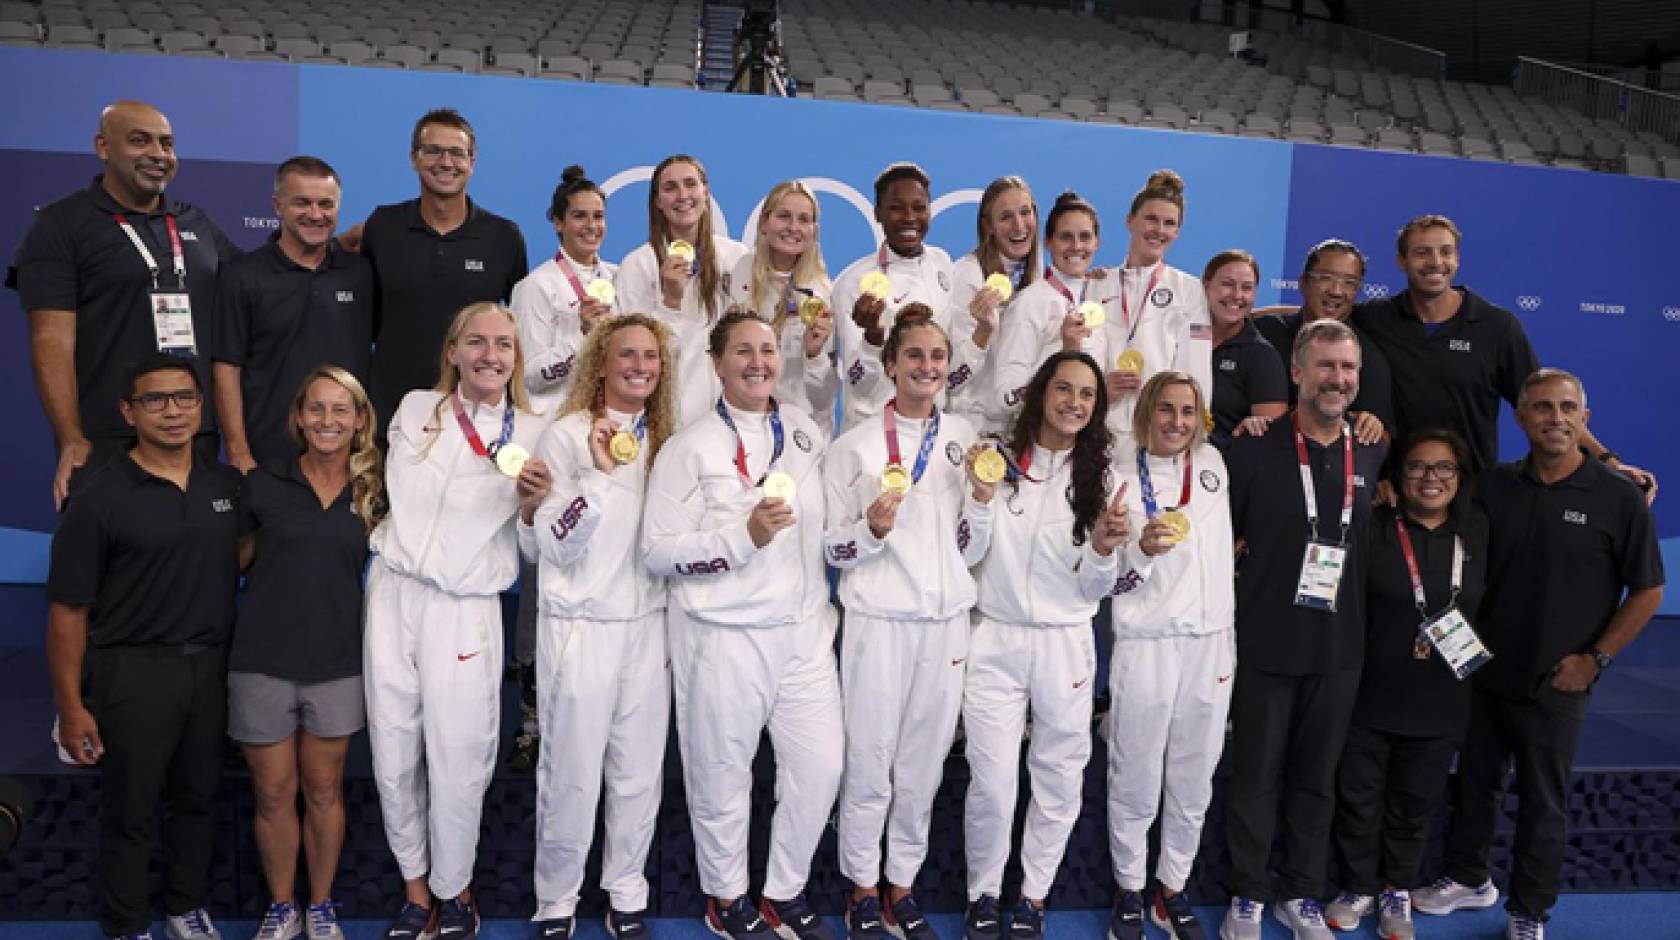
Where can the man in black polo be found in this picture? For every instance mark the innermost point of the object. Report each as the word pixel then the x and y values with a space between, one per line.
pixel 1569 538
pixel 141 587
pixel 432 256
pixel 1330 283
pixel 109 274
pixel 297 303
pixel 1300 633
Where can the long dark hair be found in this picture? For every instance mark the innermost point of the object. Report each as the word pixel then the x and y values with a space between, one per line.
pixel 1088 493
pixel 1394 471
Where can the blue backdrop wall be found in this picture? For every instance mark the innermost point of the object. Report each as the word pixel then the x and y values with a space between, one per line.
pixel 1581 257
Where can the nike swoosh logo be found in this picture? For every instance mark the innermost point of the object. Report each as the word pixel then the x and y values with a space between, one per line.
pixel 463 657
pixel 1081 683
pixel 554 931
pixel 984 924
pixel 1224 679
pixel 807 920
pixel 956 662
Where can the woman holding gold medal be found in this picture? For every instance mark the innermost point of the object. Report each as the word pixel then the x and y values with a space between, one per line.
pixel 463 493
pixel 1174 651
pixel 603 689
pixel 1059 545
pixel 734 521
pixel 681 275
pixel 785 281
pixel 907 518
pixel 1004 262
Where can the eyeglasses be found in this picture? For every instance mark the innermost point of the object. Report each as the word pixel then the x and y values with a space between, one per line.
pixel 1443 469
pixel 1325 279
pixel 434 152
pixel 155 402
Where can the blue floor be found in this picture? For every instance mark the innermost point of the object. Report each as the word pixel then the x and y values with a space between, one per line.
pixel 1650 916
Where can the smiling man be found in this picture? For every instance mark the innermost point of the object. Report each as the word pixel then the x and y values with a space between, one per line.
pixel 432 256
pixel 110 274
pixel 297 303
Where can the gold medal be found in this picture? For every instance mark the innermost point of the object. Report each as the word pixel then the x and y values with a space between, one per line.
pixel 810 309
pixel 1180 524
pixel 510 459
pixel 1130 361
pixel 681 249
pixel 1001 285
pixel 624 447
pixel 1093 314
pixel 876 285
pixel 779 485
pixel 601 291
pixel 989 466
pixel 1207 420
pixel 895 479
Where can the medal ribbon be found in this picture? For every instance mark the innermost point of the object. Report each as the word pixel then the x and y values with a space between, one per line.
pixel 1062 288
pixel 178 254
pixel 1019 468
pixel 1146 487
pixel 741 448
pixel 1307 479
pixel 1422 602
pixel 1125 306
pixel 567 269
pixel 890 425
pixel 471 433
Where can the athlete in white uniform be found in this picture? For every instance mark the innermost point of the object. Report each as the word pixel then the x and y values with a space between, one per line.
pixel 783 279
pixel 1055 553
pixel 1008 245
pixel 603 683
pixel 915 272
pixel 461 511
pixel 734 521
pixel 689 295
pixel 906 519
pixel 1174 652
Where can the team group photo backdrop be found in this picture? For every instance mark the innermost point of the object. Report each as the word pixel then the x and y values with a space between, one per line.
pixel 1584 259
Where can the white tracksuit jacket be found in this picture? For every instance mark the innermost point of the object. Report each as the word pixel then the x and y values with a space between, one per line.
pixel 807 384
pixel 973 377
pixel 549 328
pixel 926 279
pixel 691 326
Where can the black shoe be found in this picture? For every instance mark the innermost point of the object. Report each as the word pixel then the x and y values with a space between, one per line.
pixel 1174 915
pixel 626 925
pixel 1126 921
pixel 1026 921
pixel 983 922
pixel 793 919
pixel 412 923
pixel 904 920
pixel 555 928
pixel 864 920
pixel 457 921
pixel 739 921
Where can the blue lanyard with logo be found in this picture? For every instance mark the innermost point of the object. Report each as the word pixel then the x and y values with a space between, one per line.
pixel 741 448
pixel 1146 487
pixel 890 424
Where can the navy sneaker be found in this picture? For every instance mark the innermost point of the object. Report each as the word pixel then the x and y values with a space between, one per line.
pixel 739 921
pixel 983 922
pixel 864 919
pixel 1126 921
pixel 626 925
pixel 413 922
pixel 1174 915
pixel 904 920
pixel 793 919
pixel 1026 921
pixel 458 920
pixel 555 928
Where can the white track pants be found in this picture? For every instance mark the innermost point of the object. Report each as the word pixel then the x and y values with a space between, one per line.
pixel 1167 727
pixel 432 664
pixel 603 700
pixel 903 684
pixel 1011 668
pixel 732 683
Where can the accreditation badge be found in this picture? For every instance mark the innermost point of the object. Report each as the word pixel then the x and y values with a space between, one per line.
pixel 1456 641
pixel 1321 575
pixel 172 321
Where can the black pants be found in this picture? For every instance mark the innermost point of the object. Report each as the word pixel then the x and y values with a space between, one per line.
pixel 162 714
pixel 1286 739
pixel 1539 737
pixel 1387 792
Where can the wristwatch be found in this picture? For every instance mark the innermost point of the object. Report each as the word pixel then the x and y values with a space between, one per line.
pixel 1602 658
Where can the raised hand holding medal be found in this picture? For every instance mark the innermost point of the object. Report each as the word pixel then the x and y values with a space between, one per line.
pixel 985 468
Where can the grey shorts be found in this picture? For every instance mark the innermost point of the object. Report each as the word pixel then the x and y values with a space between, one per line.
pixel 266 710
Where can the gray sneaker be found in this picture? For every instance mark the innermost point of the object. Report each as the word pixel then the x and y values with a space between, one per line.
pixel 1242 921
pixel 193 925
pixel 1394 916
pixel 1525 928
pixel 1348 910
pixel 1447 895
pixel 1304 918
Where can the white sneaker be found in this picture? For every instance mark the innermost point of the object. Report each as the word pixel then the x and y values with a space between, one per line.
pixel 1348 910
pixel 1447 895
pixel 1525 928
pixel 1394 917
pixel 1304 919
pixel 322 920
pixel 280 922
pixel 1243 920
pixel 193 925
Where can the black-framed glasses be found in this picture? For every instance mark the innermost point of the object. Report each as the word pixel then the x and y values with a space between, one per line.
pixel 434 152
pixel 154 402
pixel 1325 279
pixel 1443 469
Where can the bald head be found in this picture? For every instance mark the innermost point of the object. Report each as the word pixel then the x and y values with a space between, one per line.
pixel 137 146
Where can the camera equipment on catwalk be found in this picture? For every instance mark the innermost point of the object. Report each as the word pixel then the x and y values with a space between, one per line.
pixel 759 38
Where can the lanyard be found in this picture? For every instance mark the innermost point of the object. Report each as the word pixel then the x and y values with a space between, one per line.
pixel 640 428
pixel 567 269
pixel 471 433
pixel 890 425
pixel 1019 468
pixel 1307 480
pixel 1016 272
pixel 1126 307
pixel 1147 488
pixel 1412 568
pixel 741 448
pixel 1062 288
pixel 179 256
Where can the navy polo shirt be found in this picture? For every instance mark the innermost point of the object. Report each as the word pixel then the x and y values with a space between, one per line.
pixel 1246 372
